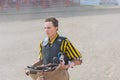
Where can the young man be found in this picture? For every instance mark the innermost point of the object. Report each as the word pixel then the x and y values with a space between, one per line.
pixel 54 44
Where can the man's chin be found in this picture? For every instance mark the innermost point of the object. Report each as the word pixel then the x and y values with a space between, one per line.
pixel 48 35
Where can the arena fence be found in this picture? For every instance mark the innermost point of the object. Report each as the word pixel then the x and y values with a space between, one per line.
pixel 18 4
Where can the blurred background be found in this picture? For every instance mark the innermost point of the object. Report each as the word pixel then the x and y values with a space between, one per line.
pixel 10 4
pixel 93 26
pixel 30 9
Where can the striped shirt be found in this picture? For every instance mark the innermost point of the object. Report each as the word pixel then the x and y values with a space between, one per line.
pixel 66 48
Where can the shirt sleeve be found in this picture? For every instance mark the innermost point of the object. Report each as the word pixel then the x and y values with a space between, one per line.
pixel 40 51
pixel 70 50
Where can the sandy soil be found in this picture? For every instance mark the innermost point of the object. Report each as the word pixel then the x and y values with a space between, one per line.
pixel 94 32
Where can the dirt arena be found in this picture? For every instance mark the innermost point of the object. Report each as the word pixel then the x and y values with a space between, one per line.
pixel 95 32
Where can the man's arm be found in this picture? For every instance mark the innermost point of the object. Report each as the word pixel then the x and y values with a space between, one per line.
pixel 78 61
pixel 40 61
pixel 70 65
pixel 72 53
pixel 37 63
pixel 75 62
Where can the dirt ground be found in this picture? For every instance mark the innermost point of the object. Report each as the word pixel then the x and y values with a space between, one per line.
pixel 95 32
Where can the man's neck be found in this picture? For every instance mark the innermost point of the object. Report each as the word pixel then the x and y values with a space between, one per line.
pixel 52 37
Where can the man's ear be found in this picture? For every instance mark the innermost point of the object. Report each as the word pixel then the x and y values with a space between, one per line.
pixel 57 28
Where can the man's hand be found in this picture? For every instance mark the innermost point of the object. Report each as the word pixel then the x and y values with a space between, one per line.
pixel 27 72
pixel 62 66
pixel 71 64
pixel 78 62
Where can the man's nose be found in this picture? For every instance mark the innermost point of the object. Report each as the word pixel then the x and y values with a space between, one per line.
pixel 45 29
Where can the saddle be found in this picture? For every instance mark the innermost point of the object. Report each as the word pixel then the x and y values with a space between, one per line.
pixel 45 68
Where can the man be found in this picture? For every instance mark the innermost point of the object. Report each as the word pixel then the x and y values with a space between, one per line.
pixel 50 48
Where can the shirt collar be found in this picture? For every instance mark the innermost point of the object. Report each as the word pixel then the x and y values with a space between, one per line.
pixel 51 42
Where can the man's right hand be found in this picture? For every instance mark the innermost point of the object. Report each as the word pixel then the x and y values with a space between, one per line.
pixel 27 72
pixel 62 66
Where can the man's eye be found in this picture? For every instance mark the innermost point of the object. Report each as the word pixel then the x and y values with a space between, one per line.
pixel 47 28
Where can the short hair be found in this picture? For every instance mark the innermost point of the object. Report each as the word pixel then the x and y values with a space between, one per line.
pixel 53 20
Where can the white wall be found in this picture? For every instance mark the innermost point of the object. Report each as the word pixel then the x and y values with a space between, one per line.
pixel 89 2
pixel 118 2
pixel 75 1
pixel 97 2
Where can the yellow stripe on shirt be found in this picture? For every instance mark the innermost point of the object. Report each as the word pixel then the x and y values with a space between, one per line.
pixel 65 45
pixel 70 53
pixel 77 53
pixel 70 50
pixel 40 51
pixel 62 45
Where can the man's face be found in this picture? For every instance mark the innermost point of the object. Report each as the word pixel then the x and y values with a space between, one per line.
pixel 50 29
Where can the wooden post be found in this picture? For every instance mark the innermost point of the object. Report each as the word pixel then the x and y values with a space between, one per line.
pixel 67 3
pixel 43 3
pixel 35 3
pixel 79 2
pixel 26 1
pixel 17 4
pixel 2 4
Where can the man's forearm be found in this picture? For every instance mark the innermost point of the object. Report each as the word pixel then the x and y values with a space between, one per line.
pixel 77 62
pixel 38 63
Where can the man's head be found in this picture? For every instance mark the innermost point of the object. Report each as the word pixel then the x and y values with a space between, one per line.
pixel 53 20
pixel 51 26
